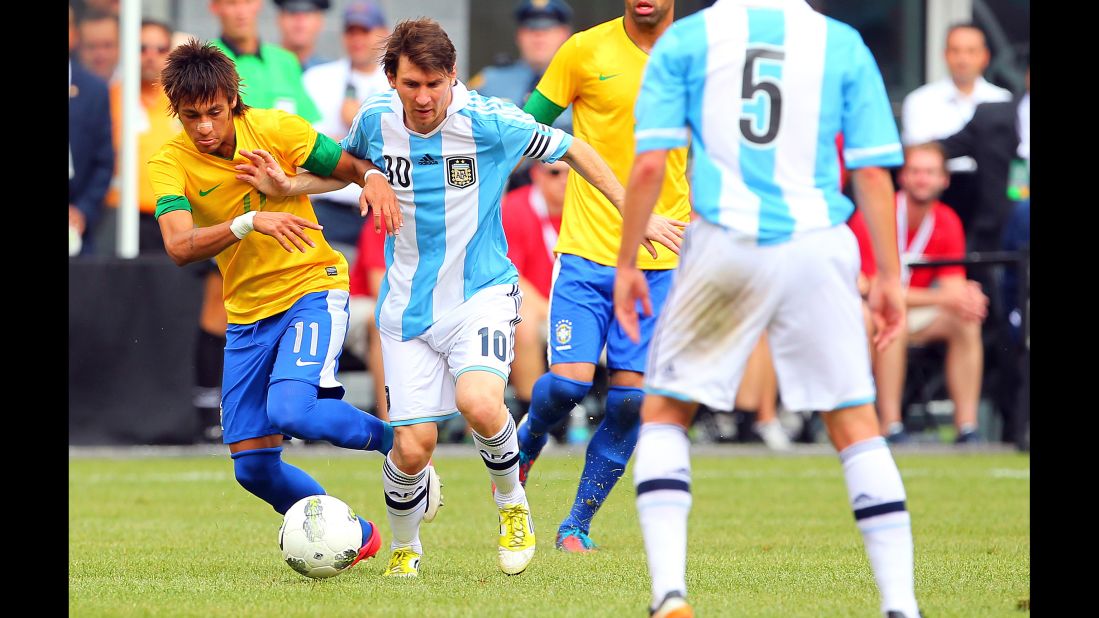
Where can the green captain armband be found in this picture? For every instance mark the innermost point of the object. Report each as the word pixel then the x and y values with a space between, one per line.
pixel 326 154
pixel 543 110
pixel 168 203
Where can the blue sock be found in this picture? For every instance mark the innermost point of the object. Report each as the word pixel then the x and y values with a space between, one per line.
pixel 367 530
pixel 293 407
pixel 552 398
pixel 263 472
pixel 608 452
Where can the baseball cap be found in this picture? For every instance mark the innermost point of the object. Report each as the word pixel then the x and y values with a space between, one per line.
pixel 539 14
pixel 364 14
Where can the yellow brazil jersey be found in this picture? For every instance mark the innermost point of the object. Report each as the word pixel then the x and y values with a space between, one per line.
pixel 261 278
pixel 599 72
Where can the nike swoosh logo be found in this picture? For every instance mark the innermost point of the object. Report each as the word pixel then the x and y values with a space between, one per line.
pixel 202 193
pixel 301 363
pixel 602 78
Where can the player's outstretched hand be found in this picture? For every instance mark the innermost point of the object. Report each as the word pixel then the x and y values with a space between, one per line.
pixel 263 173
pixel 630 286
pixel 286 228
pixel 377 194
pixel 887 304
pixel 664 230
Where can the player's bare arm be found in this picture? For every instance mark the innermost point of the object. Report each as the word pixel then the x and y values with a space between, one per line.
pixel 873 189
pixel 267 176
pixel 586 161
pixel 630 286
pixel 186 243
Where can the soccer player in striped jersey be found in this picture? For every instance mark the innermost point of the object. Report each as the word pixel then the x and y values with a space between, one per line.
pixel 761 88
pixel 449 302
pixel 598 71
pixel 286 290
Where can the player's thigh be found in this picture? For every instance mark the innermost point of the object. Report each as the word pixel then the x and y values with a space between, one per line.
pixel 622 353
pixel 418 388
pixel 721 299
pixel 581 310
pixel 311 340
pixel 360 311
pixel 248 363
pixel 818 338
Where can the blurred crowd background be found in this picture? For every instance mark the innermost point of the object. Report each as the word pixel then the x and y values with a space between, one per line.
pixel 146 337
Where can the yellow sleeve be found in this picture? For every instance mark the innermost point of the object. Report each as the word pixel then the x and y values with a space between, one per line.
pixel 559 82
pixel 165 175
pixel 294 136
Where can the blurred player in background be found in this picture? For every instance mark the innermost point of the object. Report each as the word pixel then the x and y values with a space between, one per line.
pixel 760 88
pixel 598 71
pixel 285 288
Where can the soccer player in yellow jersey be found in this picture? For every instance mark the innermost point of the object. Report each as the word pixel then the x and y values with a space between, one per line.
pixel 286 289
pixel 599 72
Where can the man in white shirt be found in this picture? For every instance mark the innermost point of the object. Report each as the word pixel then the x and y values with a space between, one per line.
pixel 941 108
pixel 338 88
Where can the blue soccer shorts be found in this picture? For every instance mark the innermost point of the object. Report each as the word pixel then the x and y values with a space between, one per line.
pixel 581 315
pixel 302 343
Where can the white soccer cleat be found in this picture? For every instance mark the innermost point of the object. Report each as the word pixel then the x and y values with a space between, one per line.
pixel 434 494
pixel 516 546
pixel 774 436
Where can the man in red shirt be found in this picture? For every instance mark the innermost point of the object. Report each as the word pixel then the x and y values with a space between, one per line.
pixel 532 219
pixel 942 304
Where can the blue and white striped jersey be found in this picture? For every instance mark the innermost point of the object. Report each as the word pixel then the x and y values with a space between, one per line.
pixel 762 88
pixel 449 184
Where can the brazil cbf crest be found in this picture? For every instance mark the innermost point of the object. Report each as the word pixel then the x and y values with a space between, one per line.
pixel 461 172
pixel 562 332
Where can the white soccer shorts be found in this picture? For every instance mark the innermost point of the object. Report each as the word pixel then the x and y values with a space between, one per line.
pixel 728 289
pixel 478 335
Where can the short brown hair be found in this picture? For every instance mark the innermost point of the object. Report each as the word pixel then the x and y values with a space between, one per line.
pixel 198 72
pixel 934 147
pixel 424 42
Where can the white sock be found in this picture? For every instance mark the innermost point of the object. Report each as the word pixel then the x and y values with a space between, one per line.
pixel 662 476
pixel 877 497
pixel 501 456
pixel 405 503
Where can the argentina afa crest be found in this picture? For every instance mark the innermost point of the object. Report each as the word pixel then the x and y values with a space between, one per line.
pixel 461 172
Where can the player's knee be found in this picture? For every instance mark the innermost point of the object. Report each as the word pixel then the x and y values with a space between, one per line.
pixel 560 388
pixel 480 408
pixel 624 407
pixel 290 403
pixel 410 456
pixel 253 469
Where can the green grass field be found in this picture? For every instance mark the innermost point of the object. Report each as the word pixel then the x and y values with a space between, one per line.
pixel 769 536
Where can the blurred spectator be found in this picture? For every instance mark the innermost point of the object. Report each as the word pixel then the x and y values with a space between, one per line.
pixel 941 108
pixel 542 27
pixel 338 89
pixel 155 125
pixel 99 44
pixel 366 276
pixel 270 75
pixel 994 138
pixel 300 23
pixel 91 157
pixel 532 219
pixel 942 304
pixel 1016 238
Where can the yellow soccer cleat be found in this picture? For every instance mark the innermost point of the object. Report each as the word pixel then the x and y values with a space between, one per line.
pixel 403 562
pixel 516 538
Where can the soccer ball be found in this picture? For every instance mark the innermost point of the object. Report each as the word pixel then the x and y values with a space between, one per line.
pixel 320 536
